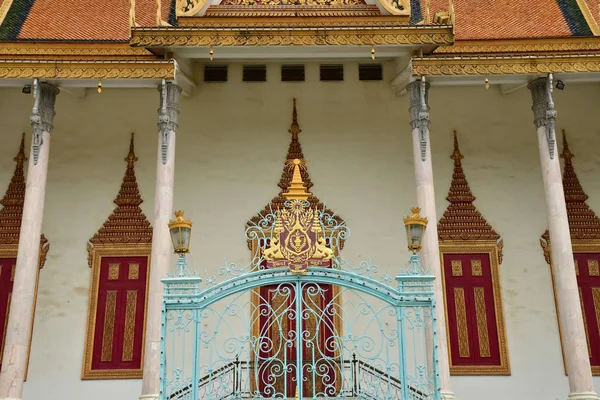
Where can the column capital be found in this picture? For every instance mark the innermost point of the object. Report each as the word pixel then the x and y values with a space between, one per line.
pixel 414 90
pixel 544 113
pixel 168 114
pixel 42 115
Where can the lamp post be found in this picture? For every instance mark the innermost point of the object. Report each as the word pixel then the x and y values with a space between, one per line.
pixel 181 234
pixel 415 229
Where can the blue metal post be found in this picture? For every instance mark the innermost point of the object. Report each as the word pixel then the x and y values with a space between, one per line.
pixel 299 366
pixel 163 355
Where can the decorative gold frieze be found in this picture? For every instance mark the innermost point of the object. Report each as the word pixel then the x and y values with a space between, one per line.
pixel 461 322
pixel 89 69
pixel 526 46
pixel 242 18
pixel 505 65
pixel 189 36
pixel 129 334
pixel 71 50
pixel 109 325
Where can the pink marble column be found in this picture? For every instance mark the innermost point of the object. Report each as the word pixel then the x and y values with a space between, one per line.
pixel 19 325
pixel 161 241
pixel 430 254
pixel 576 355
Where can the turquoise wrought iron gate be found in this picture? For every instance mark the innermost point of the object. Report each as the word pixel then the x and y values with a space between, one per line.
pixel 297 330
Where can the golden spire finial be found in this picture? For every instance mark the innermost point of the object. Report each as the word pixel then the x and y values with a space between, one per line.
pixel 456 154
pixel 20 158
pixel 296 190
pixel 566 153
pixel 131 158
pixel 295 128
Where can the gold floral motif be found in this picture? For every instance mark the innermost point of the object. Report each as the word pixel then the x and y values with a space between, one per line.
pixel 461 322
pixel 278 16
pixel 74 49
pixel 593 268
pixel 308 37
pixel 528 46
pixel 113 272
pixel 109 325
pixel 457 268
pixel 521 65
pixel 134 271
pixel 476 269
pixel 482 325
pixel 129 334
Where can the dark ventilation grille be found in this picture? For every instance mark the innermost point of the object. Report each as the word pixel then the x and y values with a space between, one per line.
pixel 292 73
pixel 215 73
pixel 255 73
pixel 370 72
pixel 332 72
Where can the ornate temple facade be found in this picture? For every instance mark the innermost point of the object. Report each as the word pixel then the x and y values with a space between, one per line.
pixel 456 107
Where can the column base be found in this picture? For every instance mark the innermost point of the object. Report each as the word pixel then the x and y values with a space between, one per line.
pixel 448 395
pixel 583 396
pixel 150 397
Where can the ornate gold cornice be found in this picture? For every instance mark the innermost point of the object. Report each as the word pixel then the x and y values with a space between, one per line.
pixel 266 19
pixel 483 47
pixel 127 224
pixel 72 50
pixel 87 69
pixel 462 222
pixel 11 213
pixel 584 224
pixel 505 65
pixel 294 153
pixel 192 36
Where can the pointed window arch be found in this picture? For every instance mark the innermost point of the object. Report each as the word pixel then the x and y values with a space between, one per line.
pixel 471 254
pixel 585 239
pixel 119 255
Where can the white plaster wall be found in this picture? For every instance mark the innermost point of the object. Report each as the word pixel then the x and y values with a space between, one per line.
pixel 232 142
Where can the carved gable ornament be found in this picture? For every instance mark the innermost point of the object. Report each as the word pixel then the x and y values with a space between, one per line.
pixel 11 213
pixel 471 254
pixel 119 255
pixel 584 226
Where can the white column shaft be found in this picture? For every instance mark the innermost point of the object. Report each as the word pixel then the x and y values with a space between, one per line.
pixel 161 243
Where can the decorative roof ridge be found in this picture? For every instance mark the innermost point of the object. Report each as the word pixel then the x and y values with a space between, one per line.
pixel 584 224
pixel 294 153
pixel 127 224
pixel 461 220
pixel 11 213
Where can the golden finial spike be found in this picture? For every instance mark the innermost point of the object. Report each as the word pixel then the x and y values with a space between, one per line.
pixel 20 158
pixel 566 153
pixel 456 154
pixel 131 13
pixel 296 190
pixel 131 158
pixel 158 13
pixel 295 128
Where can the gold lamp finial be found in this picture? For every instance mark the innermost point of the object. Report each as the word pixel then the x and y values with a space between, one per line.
pixel 296 190
pixel 415 228
pixel 181 233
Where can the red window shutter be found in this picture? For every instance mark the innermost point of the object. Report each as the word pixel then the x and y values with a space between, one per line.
pixel 7 274
pixel 119 329
pixel 587 268
pixel 470 301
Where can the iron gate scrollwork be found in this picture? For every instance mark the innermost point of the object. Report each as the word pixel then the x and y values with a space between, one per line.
pixel 309 325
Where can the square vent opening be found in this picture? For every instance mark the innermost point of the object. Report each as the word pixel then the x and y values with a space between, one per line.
pixel 292 73
pixel 215 73
pixel 255 73
pixel 331 72
pixel 370 72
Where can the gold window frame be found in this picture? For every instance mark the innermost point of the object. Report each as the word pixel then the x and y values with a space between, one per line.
pixel 583 246
pixel 96 254
pixel 490 248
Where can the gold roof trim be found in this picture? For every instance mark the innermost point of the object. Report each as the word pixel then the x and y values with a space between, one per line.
pixel 505 65
pixel 461 220
pixel 482 47
pixel 584 224
pixel 11 213
pixel 333 36
pixel 70 50
pixel 271 19
pixel 90 69
pixel 127 224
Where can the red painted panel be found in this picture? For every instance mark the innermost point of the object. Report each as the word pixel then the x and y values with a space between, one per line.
pixel 120 286
pixel 588 284
pixel 469 283
pixel 6 286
